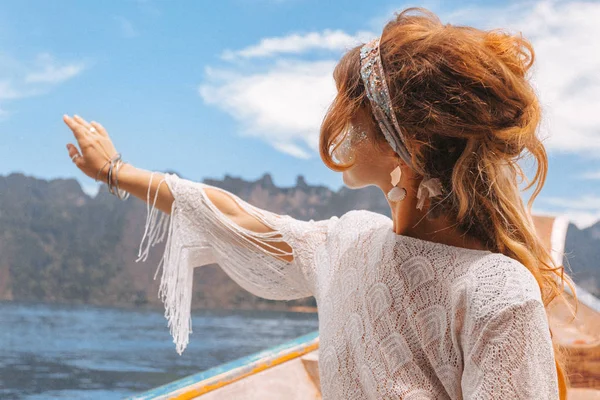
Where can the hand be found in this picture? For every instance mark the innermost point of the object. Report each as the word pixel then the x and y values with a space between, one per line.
pixel 96 147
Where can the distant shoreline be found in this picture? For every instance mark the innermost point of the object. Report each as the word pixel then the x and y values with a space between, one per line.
pixel 294 309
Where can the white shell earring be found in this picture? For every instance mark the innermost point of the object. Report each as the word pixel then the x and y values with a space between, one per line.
pixel 396 193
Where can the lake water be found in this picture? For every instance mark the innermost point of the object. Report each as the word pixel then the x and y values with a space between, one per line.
pixel 86 352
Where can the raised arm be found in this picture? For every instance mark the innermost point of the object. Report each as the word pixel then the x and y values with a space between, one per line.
pixel 205 225
pixel 199 233
pixel 97 147
pixel 270 255
pixel 136 181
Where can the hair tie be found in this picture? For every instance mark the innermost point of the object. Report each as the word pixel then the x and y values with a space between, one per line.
pixel 432 186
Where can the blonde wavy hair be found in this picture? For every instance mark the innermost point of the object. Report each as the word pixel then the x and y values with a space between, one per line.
pixel 469 113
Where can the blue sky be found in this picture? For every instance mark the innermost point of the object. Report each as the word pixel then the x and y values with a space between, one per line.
pixel 240 87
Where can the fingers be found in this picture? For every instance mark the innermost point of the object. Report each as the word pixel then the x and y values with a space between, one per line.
pixel 73 151
pixel 78 130
pixel 86 124
pixel 81 121
pixel 99 128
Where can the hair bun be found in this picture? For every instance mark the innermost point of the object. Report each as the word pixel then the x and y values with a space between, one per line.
pixel 515 51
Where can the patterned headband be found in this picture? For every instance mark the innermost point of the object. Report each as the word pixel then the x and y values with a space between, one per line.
pixel 373 76
pixel 371 71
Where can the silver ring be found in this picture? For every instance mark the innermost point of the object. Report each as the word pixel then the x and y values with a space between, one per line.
pixel 74 157
pixel 92 129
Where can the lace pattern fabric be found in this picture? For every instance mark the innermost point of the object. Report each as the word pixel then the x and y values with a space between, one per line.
pixel 399 317
pixel 200 234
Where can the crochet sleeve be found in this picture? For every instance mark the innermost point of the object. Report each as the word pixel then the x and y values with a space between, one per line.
pixel 198 233
pixel 511 356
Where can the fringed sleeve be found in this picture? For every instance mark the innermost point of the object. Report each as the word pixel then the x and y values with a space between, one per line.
pixel 198 233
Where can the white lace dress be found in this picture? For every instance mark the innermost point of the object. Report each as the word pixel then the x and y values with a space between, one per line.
pixel 399 317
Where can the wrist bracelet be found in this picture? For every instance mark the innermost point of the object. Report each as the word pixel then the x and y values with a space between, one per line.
pixel 115 164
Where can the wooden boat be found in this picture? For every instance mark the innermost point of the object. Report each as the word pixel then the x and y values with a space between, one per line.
pixel 287 371
pixel 290 371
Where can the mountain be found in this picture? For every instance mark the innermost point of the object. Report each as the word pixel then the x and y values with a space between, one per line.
pixel 582 256
pixel 58 244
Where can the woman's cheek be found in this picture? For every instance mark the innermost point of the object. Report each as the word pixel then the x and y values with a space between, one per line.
pixel 344 153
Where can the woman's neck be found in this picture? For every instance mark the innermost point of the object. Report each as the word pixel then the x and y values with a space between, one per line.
pixel 440 230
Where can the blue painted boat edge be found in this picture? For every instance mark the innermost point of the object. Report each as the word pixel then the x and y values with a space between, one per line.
pixel 220 369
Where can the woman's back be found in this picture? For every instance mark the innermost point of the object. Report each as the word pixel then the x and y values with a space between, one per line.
pixel 401 317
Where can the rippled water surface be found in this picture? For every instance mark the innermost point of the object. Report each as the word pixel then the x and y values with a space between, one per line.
pixel 85 352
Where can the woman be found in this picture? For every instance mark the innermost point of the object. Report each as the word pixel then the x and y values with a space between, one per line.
pixel 446 299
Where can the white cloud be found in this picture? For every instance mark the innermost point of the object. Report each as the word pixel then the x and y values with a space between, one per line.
pixel 581 219
pixel 591 175
pixel 126 26
pixel 589 202
pixel 565 71
pixel 9 92
pixel 20 79
pixel 332 40
pixel 53 72
pixel 285 104
pixel 583 211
